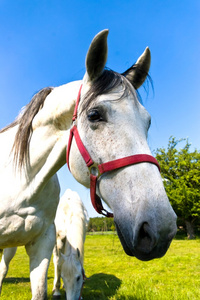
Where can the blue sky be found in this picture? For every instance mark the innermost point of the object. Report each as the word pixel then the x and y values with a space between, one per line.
pixel 44 43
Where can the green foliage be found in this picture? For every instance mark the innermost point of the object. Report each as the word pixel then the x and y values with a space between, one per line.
pixel 101 224
pixel 115 276
pixel 180 169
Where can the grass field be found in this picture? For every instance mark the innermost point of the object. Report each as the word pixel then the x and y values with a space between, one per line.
pixel 113 275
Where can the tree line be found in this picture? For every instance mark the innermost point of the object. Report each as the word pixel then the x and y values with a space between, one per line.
pixel 101 224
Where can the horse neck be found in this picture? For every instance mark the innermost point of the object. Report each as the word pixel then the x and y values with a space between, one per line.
pixel 50 131
pixel 76 227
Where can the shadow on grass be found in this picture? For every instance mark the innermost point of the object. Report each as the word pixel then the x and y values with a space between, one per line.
pixel 104 286
pixel 98 287
pixel 16 280
pixel 101 286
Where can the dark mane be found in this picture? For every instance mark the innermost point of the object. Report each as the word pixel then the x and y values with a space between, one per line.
pixel 108 80
pixel 24 122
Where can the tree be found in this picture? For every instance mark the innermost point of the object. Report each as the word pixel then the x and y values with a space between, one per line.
pixel 180 170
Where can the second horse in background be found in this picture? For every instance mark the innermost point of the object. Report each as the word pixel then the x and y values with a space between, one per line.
pixel 71 224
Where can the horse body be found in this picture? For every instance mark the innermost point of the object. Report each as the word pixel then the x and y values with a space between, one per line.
pixel 23 209
pixel 71 224
pixel 112 124
pixel 23 212
pixel 26 218
pixel 29 197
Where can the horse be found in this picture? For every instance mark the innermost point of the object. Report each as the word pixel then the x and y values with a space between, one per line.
pixel 112 125
pixel 71 223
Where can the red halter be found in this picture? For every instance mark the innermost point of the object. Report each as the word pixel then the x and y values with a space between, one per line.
pixel 97 170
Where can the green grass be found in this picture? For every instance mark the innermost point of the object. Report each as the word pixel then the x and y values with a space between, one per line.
pixel 114 275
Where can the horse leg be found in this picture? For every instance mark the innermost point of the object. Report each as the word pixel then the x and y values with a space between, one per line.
pixel 57 259
pixel 57 273
pixel 8 254
pixel 39 253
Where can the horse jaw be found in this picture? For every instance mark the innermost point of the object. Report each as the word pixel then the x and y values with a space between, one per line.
pixel 144 219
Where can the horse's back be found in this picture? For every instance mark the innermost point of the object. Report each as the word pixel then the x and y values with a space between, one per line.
pixel 71 214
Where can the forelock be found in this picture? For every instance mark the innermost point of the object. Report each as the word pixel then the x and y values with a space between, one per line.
pixel 104 85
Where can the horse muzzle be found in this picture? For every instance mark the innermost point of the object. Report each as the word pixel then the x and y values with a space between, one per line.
pixel 145 242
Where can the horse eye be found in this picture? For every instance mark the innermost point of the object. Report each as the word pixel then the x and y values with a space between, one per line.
pixel 78 278
pixel 94 116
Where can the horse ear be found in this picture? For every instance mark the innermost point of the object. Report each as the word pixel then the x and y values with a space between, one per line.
pixel 97 55
pixel 138 72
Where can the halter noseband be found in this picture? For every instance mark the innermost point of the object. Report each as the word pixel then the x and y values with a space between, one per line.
pixel 97 170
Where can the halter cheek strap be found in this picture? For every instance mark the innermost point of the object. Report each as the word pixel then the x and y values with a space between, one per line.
pixel 97 170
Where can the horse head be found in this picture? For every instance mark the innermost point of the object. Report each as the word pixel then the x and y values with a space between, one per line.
pixel 113 124
pixel 72 273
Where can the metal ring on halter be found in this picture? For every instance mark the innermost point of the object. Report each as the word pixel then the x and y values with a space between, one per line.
pixel 94 170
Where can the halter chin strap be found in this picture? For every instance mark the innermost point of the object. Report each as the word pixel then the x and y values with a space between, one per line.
pixel 97 170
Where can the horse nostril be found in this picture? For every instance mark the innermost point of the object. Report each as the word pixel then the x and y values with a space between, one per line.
pixel 146 239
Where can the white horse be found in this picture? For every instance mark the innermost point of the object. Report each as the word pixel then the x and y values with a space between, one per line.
pixel 71 224
pixel 112 124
